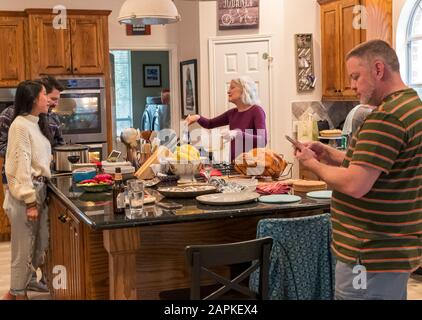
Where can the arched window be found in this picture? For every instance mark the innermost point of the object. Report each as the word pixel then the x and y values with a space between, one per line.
pixel 414 48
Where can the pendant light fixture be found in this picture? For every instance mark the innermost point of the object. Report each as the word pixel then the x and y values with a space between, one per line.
pixel 147 12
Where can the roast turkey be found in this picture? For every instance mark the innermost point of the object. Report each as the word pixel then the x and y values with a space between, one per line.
pixel 260 162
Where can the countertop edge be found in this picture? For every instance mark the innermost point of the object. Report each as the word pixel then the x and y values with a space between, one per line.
pixel 71 206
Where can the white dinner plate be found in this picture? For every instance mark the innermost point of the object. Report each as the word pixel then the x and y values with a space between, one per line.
pixel 280 198
pixel 323 194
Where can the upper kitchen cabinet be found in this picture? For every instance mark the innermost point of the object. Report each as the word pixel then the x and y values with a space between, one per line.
pixel 12 49
pixel 79 48
pixel 343 26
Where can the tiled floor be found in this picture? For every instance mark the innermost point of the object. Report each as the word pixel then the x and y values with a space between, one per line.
pixel 414 287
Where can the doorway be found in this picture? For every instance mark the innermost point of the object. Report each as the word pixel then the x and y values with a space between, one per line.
pixel 130 94
pixel 139 78
pixel 232 58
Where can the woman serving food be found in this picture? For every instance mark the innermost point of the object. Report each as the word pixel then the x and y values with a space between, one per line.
pixel 247 129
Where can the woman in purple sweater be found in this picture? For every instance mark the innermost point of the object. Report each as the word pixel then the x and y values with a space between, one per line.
pixel 246 121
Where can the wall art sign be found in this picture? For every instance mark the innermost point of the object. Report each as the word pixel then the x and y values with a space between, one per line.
pixel 238 14
pixel 152 75
pixel 138 30
pixel 189 87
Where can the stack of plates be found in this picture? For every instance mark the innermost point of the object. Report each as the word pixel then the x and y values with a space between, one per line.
pixel 306 186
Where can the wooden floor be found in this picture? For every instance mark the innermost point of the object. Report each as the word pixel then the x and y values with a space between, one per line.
pixel 414 287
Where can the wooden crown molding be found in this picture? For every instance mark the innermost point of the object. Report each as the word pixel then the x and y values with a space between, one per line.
pixel 69 11
pixel 12 13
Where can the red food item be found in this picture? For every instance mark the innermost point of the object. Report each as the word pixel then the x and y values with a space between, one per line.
pixel 103 177
pixel 88 181
pixel 273 188
pixel 214 173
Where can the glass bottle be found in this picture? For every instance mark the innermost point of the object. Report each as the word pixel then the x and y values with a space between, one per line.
pixel 100 169
pixel 118 193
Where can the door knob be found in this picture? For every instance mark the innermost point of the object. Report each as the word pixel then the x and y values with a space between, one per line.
pixel 266 56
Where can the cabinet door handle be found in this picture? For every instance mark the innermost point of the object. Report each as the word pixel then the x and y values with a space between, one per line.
pixel 64 218
pixel 68 69
pixel 75 69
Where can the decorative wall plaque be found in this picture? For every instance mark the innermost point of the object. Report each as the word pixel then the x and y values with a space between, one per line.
pixel 238 14
pixel 138 30
pixel 304 63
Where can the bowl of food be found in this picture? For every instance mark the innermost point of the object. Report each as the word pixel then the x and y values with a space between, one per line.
pixel 186 162
pixel 96 187
pixel 186 170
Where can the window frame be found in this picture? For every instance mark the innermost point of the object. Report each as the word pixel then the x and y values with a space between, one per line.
pixel 410 38
pixel 130 116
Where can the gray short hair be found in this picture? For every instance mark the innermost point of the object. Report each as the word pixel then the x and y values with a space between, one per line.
pixel 376 49
pixel 249 90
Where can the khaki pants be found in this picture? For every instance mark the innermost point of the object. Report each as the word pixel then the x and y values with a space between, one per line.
pixel 29 238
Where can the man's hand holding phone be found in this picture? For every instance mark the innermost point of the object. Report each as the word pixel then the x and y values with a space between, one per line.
pixel 298 145
pixel 302 151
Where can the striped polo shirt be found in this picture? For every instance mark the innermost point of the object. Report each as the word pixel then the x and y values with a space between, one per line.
pixel 383 229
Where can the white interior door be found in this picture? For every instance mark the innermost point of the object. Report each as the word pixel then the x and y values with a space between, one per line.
pixel 232 59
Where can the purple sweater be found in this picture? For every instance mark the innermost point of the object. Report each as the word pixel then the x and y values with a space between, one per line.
pixel 250 123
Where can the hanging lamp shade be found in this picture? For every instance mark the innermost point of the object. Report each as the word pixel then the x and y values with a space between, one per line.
pixel 148 12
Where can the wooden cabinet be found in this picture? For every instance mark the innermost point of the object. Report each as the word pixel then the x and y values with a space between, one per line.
pixel 66 253
pixel 80 251
pixel 344 25
pixel 87 44
pixel 77 48
pixel 12 49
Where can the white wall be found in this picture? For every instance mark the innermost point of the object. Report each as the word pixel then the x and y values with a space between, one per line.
pixel 188 36
pixel 281 19
pixel 398 6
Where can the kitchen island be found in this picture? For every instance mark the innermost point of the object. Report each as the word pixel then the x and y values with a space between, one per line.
pixel 108 256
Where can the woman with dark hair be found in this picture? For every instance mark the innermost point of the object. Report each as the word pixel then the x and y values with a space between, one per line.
pixel 28 159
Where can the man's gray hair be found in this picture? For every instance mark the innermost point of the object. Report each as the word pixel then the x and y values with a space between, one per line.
pixel 376 49
pixel 249 92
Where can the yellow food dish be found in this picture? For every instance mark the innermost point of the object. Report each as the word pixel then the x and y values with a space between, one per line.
pixel 186 152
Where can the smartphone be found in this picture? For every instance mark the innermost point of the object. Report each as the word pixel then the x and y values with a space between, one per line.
pixel 114 156
pixel 294 142
pixel 169 205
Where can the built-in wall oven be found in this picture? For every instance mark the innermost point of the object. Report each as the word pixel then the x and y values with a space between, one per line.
pixel 7 97
pixel 82 112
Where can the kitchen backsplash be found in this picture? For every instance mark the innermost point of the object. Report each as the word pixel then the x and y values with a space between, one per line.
pixel 334 112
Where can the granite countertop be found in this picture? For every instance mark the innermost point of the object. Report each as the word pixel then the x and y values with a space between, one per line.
pixel 96 209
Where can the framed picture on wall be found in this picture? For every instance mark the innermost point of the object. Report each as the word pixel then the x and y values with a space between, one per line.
pixel 189 87
pixel 152 75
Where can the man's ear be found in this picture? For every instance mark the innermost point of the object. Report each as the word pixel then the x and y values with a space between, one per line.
pixel 379 69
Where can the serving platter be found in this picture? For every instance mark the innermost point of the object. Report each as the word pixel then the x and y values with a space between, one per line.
pixel 187 191
pixel 226 199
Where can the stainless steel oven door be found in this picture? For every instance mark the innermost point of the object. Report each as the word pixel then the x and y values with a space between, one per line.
pixel 97 151
pixel 82 115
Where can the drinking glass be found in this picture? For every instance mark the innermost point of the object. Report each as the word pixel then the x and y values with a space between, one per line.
pixel 136 198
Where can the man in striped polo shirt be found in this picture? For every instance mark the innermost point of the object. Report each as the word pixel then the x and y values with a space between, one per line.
pixel 377 200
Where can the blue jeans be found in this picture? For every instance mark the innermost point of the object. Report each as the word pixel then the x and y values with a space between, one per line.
pixel 379 285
